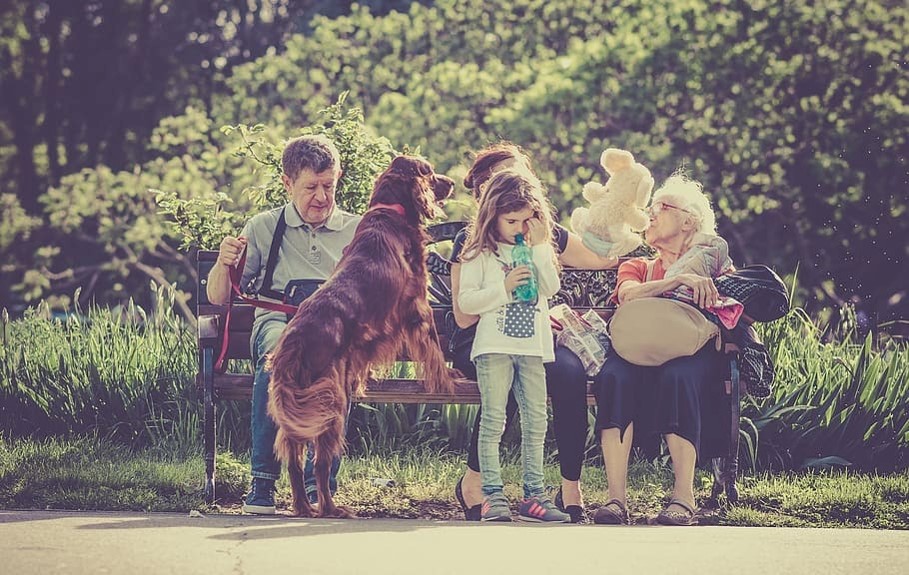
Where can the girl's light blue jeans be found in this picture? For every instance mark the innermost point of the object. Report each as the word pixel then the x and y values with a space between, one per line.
pixel 497 374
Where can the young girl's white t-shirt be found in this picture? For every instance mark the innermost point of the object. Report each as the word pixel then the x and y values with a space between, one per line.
pixel 506 326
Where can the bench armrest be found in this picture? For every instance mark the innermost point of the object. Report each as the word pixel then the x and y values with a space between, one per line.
pixel 209 330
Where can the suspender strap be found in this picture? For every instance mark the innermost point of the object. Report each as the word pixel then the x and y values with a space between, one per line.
pixel 267 281
pixel 649 275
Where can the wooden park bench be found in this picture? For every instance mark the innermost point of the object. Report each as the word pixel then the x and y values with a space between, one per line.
pixel 582 290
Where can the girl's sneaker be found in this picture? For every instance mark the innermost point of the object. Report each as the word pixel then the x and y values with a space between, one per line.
pixel 495 508
pixel 541 510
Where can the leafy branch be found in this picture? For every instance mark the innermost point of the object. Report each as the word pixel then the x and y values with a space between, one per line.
pixel 202 221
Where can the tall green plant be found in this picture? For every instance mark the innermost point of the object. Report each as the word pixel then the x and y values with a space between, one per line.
pixel 834 403
pixel 119 372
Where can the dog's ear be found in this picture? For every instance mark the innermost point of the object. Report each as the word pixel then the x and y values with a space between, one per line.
pixel 435 188
pixel 442 186
pixel 411 182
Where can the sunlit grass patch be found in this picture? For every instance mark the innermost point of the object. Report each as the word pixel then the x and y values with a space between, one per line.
pixel 92 473
pixel 834 498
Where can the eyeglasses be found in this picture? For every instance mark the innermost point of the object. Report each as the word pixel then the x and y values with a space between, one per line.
pixel 658 207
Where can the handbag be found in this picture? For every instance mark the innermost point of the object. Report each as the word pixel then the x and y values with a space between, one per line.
pixel 760 290
pixel 650 331
pixel 461 339
pixel 755 364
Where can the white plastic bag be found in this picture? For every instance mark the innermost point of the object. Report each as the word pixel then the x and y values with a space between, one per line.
pixel 585 335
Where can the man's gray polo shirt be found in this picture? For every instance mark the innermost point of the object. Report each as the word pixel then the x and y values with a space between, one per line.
pixel 305 252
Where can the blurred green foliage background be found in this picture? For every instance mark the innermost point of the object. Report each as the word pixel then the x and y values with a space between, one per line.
pixel 794 115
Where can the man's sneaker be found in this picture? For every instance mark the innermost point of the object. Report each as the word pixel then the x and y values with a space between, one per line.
pixel 495 508
pixel 261 498
pixel 541 510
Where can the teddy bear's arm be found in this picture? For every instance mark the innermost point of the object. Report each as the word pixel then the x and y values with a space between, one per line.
pixel 594 191
pixel 638 220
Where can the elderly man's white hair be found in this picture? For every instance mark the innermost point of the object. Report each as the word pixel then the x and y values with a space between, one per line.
pixel 688 195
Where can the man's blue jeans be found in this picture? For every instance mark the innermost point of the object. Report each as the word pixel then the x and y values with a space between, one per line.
pixel 497 373
pixel 264 465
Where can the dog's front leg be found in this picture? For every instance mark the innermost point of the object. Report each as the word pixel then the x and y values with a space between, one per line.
pixel 423 344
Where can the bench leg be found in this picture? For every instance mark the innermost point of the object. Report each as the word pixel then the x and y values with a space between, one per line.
pixel 208 421
pixel 732 465
pixel 725 469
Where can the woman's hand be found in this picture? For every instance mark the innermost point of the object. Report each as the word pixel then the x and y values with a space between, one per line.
pixel 705 294
pixel 517 276
pixel 535 232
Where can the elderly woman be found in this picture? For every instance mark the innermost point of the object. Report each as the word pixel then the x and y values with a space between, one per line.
pixel 566 380
pixel 675 399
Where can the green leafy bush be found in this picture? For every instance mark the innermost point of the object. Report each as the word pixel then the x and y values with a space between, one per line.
pixel 833 404
pixel 202 221
pixel 122 373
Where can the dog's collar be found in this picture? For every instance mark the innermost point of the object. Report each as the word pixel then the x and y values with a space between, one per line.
pixel 394 207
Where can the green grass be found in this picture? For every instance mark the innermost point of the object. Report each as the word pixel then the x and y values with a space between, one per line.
pixel 91 473
pixel 95 474
pixel 825 499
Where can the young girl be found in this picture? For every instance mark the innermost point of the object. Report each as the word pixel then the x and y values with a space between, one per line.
pixel 566 379
pixel 513 338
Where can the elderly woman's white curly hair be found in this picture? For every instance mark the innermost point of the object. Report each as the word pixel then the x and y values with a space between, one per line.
pixel 688 195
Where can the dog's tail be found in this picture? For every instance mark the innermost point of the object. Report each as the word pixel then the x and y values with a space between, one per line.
pixel 301 408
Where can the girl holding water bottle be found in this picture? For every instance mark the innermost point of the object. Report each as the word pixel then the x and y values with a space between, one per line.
pixel 513 338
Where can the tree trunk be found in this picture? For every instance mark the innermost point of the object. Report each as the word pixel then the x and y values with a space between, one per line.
pixel 52 93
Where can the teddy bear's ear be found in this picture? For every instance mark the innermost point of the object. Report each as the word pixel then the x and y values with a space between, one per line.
pixel 614 160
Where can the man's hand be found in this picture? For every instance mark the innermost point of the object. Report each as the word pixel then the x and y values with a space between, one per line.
pixel 230 250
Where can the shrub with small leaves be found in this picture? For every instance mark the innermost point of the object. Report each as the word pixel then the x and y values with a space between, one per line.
pixel 202 221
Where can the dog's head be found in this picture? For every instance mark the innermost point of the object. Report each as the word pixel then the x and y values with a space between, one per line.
pixel 411 182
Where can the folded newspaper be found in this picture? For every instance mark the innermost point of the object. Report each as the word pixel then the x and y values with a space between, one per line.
pixel 585 335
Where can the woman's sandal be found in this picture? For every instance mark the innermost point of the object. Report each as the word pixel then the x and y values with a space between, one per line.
pixel 676 517
pixel 576 512
pixel 613 513
pixel 470 513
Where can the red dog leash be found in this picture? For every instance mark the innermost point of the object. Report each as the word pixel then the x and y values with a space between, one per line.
pixel 235 273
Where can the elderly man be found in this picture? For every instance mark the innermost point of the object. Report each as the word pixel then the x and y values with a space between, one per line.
pixel 289 251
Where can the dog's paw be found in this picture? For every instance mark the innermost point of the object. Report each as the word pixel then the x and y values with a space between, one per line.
pixel 303 508
pixel 302 511
pixel 339 512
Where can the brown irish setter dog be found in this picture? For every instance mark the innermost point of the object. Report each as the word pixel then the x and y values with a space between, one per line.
pixel 372 307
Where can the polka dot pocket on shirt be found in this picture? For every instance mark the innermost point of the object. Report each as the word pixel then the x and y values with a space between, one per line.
pixel 520 320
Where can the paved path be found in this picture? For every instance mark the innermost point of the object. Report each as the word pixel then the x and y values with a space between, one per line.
pixel 49 542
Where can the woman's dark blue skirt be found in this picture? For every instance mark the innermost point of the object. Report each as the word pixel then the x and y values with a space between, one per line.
pixel 685 396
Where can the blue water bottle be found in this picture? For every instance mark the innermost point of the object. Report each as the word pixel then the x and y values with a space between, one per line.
pixel 521 255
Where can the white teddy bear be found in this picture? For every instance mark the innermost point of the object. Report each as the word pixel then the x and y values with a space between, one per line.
pixel 611 226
